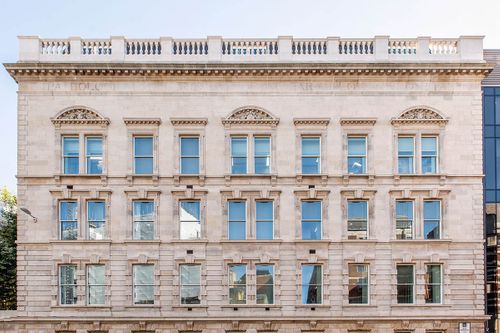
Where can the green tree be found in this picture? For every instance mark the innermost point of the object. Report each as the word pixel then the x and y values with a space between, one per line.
pixel 8 235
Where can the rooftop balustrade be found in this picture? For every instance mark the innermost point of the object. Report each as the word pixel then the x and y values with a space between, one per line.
pixel 119 49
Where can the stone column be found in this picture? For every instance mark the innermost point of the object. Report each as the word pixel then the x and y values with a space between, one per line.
pixel 381 48
pixel 285 47
pixel 214 48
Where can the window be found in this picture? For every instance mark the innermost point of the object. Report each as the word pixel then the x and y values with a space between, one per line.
pixel 238 155
pixel 265 284
pixel 96 220
pixel 311 155
pixel 406 155
pixel 433 289
pixel 264 219
pixel 71 152
pixel 96 284
pixel 404 219
pixel 67 284
pixel 237 220
pixel 262 154
pixel 406 284
pixel 358 284
pixel 432 219
pixel 357 219
pixel 68 220
pixel 237 284
pixel 311 220
pixel 312 280
pixel 356 155
pixel 429 154
pixel 143 213
pixel 190 155
pixel 190 284
pixel 143 155
pixel 190 224
pixel 143 284
pixel 93 155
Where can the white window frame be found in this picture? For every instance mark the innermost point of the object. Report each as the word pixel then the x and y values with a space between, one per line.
pixel 88 286
pixel 87 156
pixel 436 137
pixel 181 156
pixel 274 283
pixel 64 136
pixel 61 220
pixel 60 285
pixel 246 217
pixel 413 229
pixel 413 285
pixel 312 136
pixel 368 301
pixel 441 284
pixel 238 136
pixel 189 285
pixel 322 284
pixel 229 285
pixel 134 156
pixel 320 221
pixel 105 236
pixel 367 201
pixel 134 285
pixel 181 221
pixel 440 218
pixel 365 156
pixel 273 217
pixel 153 221
pixel 414 166
pixel 257 136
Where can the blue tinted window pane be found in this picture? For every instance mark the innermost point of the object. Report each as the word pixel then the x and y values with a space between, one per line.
pixel 356 146
pixel 490 163
pixel 356 165
pixel 239 147
pixel 405 146
pixel 490 196
pixel 311 230
pixel 311 274
pixel 489 131
pixel 429 146
pixel 264 210
pixel 262 165
pixel 310 165
pixel 190 211
pixel 94 146
pixel 143 146
pixel 143 230
pixel 70 146
pixel 497 110
pixel 311 210
pixel 144 165
pixel 489 110
pixel 262 146
pixel 190 165
pixel 310 146
pixel 428 164
pixel 432 210
pixel 431 230
pixel 71 165
pixel 68 210
pixel 489 91
pixel 264 230
pixel 405 165
pixel 498 160
pixel 497 91
pixel 237 230
pixel 189 147
pixel 96 211
pixel 357 210
pixel 239 165
pixel 143 210
pixel 404 210
pixel 237 211
pixel 94 165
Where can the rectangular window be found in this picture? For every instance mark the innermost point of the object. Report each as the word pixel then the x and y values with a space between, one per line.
pixel 190 224
pixel 356 155
pixel 71 153
pixel 143 284
pixel 239 155
pixel 143 214
pixel 311 220
pixel 406 284
pixel 237 284
pixel 311 155
pixel 96 284
pixel 67 284
pixel 433 280
pixel 312 280
pixel 96 220
pixel 429 154
pixel 406 155
pixel 190 155
pixel 262 154
pixel 68 220
pixel 237 220
pixel 357 219
pixel 190 284
pixel 358 284
pixel 432 219
pixel 265 284
pixel 404 219
pixel 143 155
pixel 264 219
pixel 93 155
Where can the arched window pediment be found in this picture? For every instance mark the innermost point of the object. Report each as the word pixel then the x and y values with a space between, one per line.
pixel 79 115
pixel 250 115
pixel 420 115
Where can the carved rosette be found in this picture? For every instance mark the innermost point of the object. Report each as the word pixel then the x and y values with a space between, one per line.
pixel 419 116
pixel 250 116
pixel 79 116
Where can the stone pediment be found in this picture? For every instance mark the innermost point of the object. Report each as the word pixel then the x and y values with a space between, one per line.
pixel 79 115
pixel 250 115
pixel 419 115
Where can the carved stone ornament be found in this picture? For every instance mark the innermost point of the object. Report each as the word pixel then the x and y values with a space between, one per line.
pixel 420 115
pixel 250 115
pixel 79 115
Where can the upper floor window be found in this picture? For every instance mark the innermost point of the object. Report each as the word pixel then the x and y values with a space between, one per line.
pixel 311 155
pixel 93 152
pixel 357 219
pixel 311 219
pixel 238 284
pixel 143 220
pixel 96 284
pixel 312 284
pixel 190 155
pixel 264 219
pixel 265 284
pixel 404 219
pixel 429 154
pixel 190 284
pixel 71 153
pixel 143 154
pixel 405 284
pixel 190 223
pixel 358 284
pixel 237 220
pixel 406 155
pixel 96 220
pixel 68 220
pixel 432 219
pixel 262 154
pixel 433 284
pixel 67 284
pixel 239 148
pixel 356 154
pixel 143 284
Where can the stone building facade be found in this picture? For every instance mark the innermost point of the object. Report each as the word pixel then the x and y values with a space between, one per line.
pixel 278 185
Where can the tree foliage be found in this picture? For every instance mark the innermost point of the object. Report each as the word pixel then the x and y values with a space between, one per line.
pixel 8 237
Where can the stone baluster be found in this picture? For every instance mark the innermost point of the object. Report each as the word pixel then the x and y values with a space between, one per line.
pixel 332 48
pixel 285 47
pixel 29 48
pixel 381 48
pixel 75 48
pixel 470 48
pixel 117 48
pixel 423 47
pixel 214 48
pixel 166 48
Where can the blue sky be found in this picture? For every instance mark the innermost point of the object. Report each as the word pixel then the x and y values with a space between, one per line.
pixel 230 18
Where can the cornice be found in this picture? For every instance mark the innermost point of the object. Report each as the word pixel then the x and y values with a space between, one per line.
pixel 311 121
pixel 179 121
pixel 142 121
pixel 358 121
pixel 440 122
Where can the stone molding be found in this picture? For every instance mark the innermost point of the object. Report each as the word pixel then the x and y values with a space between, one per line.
pixel 79 115
pixel 311 121
pixel 250 115
pixel 358 121
pixel 420 115
pixel 179 121
pixel 142 121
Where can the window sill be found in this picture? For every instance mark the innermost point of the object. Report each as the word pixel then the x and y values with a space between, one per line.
pixel 258 306
pixel 308 306
pixel 427 241
pixel 189 306
pixel 189 241
pixel 154 177
pixel 80 241
pixel 102 177
pixel 346 177
pixel 313 241
pixel 143 306
pixel 420 305
pixel 355 306
pixel 370 240
pixel 251 241
pixel 142 241
pixel 178 177
pixel 81 307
